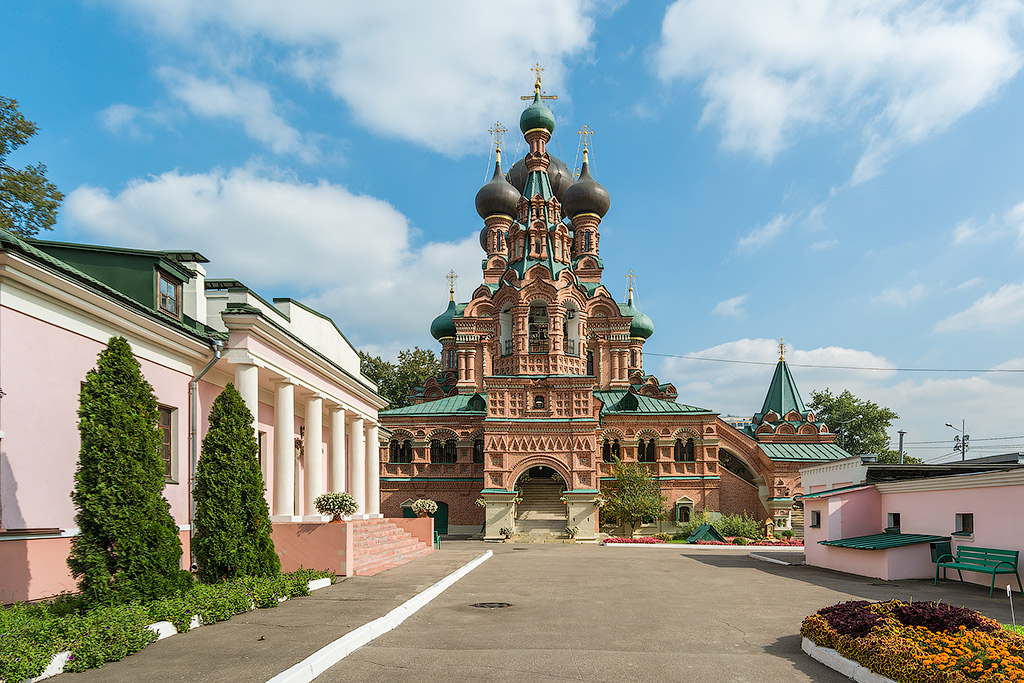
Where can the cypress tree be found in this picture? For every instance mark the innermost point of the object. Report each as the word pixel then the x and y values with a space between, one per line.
pixel 232 521
pixel 128 547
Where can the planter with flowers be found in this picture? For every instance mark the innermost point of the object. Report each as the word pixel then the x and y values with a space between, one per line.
pixel 337 504
pixel 507 532
pixel 424 507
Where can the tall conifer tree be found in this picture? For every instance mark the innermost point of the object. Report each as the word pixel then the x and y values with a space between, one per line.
pixel 128 546
pixel 232 521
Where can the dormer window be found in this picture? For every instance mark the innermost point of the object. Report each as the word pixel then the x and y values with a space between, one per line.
pixel 169 295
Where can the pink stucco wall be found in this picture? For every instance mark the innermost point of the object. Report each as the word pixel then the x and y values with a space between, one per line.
pixel 313 546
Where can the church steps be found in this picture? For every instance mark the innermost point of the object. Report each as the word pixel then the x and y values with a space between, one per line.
pixel 379 545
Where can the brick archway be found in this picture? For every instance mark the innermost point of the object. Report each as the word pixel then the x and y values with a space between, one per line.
pixel 540 461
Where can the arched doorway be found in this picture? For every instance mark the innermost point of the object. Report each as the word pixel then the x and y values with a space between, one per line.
pixel 541 511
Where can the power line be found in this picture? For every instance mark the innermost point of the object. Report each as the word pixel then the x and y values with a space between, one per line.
pixel 990 438
pixel 833 367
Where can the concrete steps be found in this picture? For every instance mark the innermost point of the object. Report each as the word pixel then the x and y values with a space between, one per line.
pixel 798 523
pixel 541 513
pixel 379 545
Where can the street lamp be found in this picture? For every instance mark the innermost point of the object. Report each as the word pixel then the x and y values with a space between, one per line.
pixel 961 443
pixel 842 432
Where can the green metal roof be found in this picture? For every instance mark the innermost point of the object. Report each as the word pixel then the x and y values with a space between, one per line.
pixel 621 401
pixel 783 396
pixel 803 451
pixel 832 492
pixel 883 541
pixel 462 404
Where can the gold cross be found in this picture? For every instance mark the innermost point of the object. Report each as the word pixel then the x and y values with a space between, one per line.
pixel 585 134
pixel 497 131
pixel 631 276
pixel 537 69
pixel 451 277
pixel 782 349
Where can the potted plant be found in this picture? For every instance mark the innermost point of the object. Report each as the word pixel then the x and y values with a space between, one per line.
pixel 507 532
pixel 572 532
pixel 337 504
pixel 424 507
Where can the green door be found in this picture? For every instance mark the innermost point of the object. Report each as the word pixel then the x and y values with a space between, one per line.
pixel 441 518
pixel 407 512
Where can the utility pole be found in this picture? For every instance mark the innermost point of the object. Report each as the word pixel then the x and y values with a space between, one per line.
pixel 901 433
pixel 961 443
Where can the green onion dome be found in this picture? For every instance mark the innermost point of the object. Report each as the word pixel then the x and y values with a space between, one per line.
pixel 586 195
pixel 498 196
pixel 642 326
pixel 537 115
pixel 444 324
pixel 558 175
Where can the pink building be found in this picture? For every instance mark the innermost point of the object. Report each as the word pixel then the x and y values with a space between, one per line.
pixel 316 415
pixel 881 520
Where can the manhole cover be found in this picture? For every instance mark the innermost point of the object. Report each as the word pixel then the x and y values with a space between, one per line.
pixel 491 605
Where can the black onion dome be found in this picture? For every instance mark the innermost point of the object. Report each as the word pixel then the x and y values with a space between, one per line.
pixel 558 174
pixel 497 196
pixel 483 238
pixel 586 195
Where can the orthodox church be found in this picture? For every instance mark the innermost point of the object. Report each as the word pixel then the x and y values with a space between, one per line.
pixel 543 384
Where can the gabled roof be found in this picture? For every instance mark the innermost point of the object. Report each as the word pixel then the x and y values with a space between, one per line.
pixel 783 396
pixel 460 404
pixel 622 401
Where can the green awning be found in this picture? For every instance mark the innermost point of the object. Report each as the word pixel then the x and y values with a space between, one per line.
pixel 883 541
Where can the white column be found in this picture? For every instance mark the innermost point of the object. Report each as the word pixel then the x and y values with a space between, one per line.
pixel 372 471
pixel 338 450
pixel 314 465
pixel 284 450
pixel 247 382
pixel 357 465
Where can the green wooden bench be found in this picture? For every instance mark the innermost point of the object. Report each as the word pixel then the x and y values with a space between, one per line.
pixel 984 560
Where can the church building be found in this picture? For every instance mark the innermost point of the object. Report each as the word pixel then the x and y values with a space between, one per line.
pixel 543 384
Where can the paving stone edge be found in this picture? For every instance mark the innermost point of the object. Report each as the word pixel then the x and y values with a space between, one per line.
pixel 841 664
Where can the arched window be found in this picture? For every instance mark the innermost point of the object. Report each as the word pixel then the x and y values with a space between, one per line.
pixel 586 241
pixel 538 328
pixel 615 448
pixel 450 452
pixel 396 452
pixel 645 451
pixel 538 401
pixel 689 457
pixel 606 451
pixel 436 451
pixel 407 451
pixel 478 451
pixel 451 359
pixel 632 358
pixel 590 363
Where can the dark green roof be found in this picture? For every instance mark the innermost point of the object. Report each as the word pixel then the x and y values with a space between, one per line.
pixel 642 326
pixel 883 541
pixel 803 451
pixel 461 404
pixel 444 324
pixel 832 492
pixel 783 396
pixel 621 401
pixel 537 115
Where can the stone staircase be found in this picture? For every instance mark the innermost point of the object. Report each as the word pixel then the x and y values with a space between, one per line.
pixel 541 513
pixel 379 545
pixel 797 517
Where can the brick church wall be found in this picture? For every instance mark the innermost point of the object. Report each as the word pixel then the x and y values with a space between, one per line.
pixel 459 495
pixel 737 495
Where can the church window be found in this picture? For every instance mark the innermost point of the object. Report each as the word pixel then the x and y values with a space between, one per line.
pixel 590 363
pixel 538 401
pixel 645 451
pixel 677 450
pixel 571 330
pixel 450 451
pixel 478 451
pixel 401 451
pixel 689 455
pixel 451 359
pixel 586 241
pixel 632 358
pixel 436 451
pixel 606 451
pixel 538 328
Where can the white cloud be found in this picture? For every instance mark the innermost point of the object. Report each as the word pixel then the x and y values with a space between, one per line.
pixel 351 254
pixel 903 69
pixel 118 118
pixel 731 308
pixel 901 297
pixel 988 402
pixel 436 74
pixel 764 234
pixel 1014 220
pixel 824 244
pixel 968 284
pixel 996 310
pixel 244 102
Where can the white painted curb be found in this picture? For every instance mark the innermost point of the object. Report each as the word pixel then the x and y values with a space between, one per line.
pixel 837 662
pixel 162 629
pixel 765 558
pixel 695 546
pixel 332 653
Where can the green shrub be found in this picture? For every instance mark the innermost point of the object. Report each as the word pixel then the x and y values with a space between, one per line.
pixel 128 547
pixel 663 537
pixel 739 524
pixel 106 634
pixel 739 540
pixel 232 522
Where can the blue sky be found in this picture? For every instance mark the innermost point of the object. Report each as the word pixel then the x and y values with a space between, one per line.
pixel 844 174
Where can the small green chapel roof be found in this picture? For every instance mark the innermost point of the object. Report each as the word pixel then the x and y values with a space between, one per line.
pixel 783 396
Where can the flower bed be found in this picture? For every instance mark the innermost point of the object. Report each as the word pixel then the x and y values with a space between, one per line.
pixel 30 635
pixel 792 542
pixel 641 539
pixel 920 642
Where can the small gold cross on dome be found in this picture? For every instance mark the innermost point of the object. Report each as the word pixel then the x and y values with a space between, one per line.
pixel 782 349
pixel 497 131
pixel 631 277
pixel 537 69
pixel 585 134
pixel 451 277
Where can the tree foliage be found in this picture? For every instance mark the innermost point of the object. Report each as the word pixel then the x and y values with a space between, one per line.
pixel 395 380
pixel 632 496
pixel 232 521
pixel 862 424
pixel 28 201
pixel 128 547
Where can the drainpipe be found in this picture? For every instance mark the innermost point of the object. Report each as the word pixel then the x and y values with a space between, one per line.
pixel 193 389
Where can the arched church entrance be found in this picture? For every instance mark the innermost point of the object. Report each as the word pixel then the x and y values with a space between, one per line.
pixel 541 511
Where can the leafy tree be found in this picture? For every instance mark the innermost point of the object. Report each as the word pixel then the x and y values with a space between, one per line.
pixel 890 457
pixel 28 201
pixel 232 521
pixel 632 496
pixel 395 380
pixel 128 547
pixel 861 424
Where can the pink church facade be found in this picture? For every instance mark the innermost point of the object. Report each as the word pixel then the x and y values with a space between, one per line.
pixel 316 415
